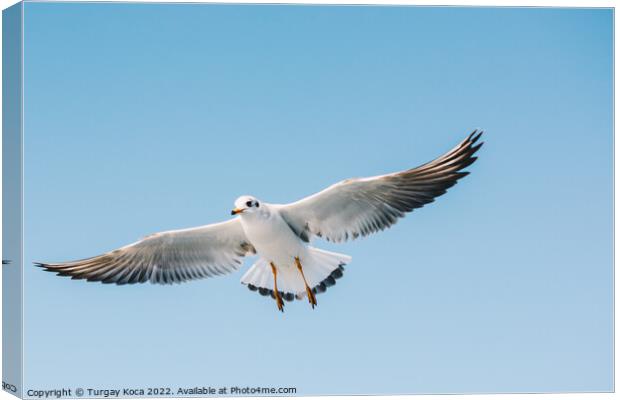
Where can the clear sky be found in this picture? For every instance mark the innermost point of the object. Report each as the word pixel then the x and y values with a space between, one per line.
pixel 142 118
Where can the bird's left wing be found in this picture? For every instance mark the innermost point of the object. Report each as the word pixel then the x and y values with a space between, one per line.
pixel 358 207
pixel 166 257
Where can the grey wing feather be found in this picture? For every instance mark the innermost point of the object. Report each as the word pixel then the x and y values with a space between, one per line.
pixel 358 207
pixel 166 257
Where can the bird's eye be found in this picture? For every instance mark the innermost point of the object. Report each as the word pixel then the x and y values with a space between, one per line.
pixel 248 203
pixel 256 204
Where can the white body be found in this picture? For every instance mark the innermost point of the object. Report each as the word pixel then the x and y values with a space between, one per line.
pixel 275 242
pixel 271 236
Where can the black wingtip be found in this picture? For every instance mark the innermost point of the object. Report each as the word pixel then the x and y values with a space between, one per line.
pixel 475 135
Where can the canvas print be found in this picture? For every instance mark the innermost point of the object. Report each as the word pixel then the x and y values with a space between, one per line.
pixel 294 200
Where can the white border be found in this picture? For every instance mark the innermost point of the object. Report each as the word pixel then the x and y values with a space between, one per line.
pixel 478 3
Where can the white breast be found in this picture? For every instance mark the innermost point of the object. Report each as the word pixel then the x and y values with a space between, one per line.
pixel 272 238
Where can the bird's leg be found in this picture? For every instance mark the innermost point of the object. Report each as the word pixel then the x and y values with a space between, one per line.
pixel 279 301
pixel 311 296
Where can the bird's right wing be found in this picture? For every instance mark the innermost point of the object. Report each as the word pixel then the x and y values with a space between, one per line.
pixel 166 257
pixel 358 207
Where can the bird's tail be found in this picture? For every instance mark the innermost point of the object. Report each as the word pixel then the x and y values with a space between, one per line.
pixel 321 269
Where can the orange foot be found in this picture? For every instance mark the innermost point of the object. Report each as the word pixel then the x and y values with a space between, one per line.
pixel 276 293
pixel 311 296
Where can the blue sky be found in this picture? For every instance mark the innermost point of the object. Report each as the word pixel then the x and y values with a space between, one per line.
pixel 142 118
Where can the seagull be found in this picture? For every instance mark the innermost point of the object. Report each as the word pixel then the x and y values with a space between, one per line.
pixel 288 267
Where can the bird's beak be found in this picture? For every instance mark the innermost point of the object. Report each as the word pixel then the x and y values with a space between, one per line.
pixel 236 211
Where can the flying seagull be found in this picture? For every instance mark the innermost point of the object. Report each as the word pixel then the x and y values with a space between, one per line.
pixel 288 266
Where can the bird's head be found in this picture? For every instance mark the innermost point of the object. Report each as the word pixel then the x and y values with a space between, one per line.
pixel 245 205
